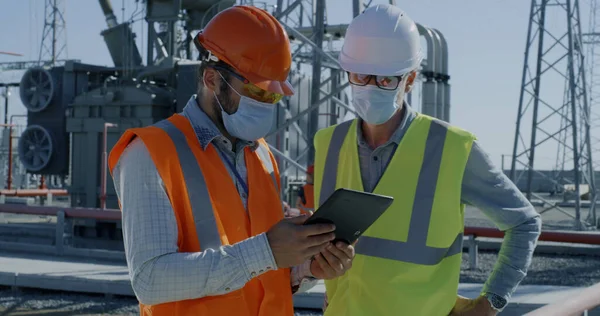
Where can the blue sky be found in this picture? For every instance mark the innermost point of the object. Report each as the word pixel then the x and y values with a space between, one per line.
pixel 486 42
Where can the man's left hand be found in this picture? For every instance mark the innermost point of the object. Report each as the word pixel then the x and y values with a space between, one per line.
pixel 332 262
pixel 469 307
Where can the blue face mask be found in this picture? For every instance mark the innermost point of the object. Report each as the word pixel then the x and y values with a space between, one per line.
pixel 374 105
pixel 252 120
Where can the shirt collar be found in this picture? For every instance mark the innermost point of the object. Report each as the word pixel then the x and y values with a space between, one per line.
pixel 407 118
pixel 205 128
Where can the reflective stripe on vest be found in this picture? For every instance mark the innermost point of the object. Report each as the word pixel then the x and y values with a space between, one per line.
pixel 263 153
pixel 414 250
pixel 202 210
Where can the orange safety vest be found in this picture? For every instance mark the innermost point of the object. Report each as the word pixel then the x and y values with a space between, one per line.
pixel 208 215
pixel 309 198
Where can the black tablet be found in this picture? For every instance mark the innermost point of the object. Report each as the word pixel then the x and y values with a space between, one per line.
pixel 352 212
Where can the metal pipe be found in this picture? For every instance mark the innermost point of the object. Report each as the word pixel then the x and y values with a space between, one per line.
pixel 589 238
pixel 443 73
pixel 104 164
pixel 429 86
pixel 34 192
pixel 439 88
pixel 444 51
pixel 6 95
pixel 10 158
pixel 111 19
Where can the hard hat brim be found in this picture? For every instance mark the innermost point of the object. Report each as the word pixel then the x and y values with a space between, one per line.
pixel 281 87
pixel 358 67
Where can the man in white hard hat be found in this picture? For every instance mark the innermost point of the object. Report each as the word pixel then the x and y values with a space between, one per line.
pixel 408 262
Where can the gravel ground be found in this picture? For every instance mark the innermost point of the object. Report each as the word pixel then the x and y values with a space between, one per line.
pixel 53 303
pixel 545 270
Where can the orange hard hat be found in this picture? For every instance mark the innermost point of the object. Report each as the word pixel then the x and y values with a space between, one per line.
pixel 254 43
pixel 310 169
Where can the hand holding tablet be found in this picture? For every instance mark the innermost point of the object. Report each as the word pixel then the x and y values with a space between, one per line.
pixel 352 212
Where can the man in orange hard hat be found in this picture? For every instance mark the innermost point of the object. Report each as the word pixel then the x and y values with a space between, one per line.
pixel 203 223
pixel 305 201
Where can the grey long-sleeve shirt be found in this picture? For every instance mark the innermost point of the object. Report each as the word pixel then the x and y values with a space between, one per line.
pixel 484 186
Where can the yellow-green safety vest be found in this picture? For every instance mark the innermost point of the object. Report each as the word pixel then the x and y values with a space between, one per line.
pixel 408 261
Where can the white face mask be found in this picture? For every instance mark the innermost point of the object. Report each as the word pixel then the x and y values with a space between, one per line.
pixel 374 105
pixel 252 120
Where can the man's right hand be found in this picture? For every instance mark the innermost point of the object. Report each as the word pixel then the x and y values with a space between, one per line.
pixel 293 243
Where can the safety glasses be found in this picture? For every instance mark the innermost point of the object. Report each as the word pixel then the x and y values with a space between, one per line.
pixel 383 82
pixel 251 90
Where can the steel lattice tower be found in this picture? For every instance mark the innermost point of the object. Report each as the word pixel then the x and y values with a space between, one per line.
pixel 54 37
pixel 592 42
pixel 559 118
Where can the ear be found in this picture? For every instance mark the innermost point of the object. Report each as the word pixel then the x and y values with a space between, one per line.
pixel 210 78
pixel 410 81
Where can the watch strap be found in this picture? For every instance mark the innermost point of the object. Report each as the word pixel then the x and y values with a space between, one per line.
pixel 498 302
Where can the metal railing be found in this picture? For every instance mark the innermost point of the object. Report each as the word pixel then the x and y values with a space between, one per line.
pixel 63 218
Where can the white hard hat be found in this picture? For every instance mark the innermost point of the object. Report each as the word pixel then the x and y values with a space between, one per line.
pixel 382 40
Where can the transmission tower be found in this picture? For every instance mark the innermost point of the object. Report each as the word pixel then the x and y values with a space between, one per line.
pixel 54 41
pixel 592 42
pixel 554 98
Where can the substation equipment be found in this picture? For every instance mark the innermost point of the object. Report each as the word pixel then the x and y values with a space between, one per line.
pixel 73 108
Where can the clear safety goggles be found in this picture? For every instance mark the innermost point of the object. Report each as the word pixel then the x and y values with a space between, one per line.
pixel 382 82
pixel 252 91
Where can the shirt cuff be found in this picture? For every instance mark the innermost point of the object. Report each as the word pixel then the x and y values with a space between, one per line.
pixel 503 281
pixel 307 284
pixel 301 277
pixel 301 272
pixel 256 255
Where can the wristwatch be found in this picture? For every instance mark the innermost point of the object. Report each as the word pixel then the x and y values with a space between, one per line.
pixel 498 302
